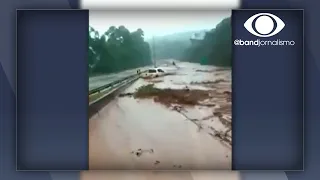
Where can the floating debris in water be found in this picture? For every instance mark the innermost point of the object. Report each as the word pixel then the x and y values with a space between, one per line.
pixel 157 162
pixel 178 166
pixel 125 94
pixel 140 151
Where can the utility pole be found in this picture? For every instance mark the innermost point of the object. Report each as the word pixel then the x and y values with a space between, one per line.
pixel 154 52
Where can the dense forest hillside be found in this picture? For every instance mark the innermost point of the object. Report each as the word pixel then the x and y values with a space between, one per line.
pixel 215 49
pixel 171 46
pixel 117 49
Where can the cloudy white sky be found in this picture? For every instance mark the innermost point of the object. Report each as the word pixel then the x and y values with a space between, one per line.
pixel 163 4
pixel 157 23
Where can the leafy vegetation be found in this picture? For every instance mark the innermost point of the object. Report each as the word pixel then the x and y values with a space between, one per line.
pixel 116 50
pixel 171 46
pixel 119 49
pixel 215 48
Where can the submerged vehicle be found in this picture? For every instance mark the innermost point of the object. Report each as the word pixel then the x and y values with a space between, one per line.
pixel 153 73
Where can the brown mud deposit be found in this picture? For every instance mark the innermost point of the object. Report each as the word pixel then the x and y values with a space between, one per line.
pixel 160 175
pixel 207 71
pixel 174 96
pixel 220 95
pixel 159 125
pixel 210 82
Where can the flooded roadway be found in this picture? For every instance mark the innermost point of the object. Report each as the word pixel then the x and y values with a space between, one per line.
pixel 97 81
pixel 165 138
pixel 160 175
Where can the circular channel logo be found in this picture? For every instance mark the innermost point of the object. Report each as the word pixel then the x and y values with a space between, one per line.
pixel 264 25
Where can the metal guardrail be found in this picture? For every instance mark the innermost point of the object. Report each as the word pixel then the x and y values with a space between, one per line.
pixel 115 87
pixel 101 88
pixel 96 105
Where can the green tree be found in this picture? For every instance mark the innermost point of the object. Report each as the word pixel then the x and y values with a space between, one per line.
pixel 117 49
pixel 215 48
pixel 221 54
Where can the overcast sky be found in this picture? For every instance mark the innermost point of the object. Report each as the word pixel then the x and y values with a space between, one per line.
pixel 157 23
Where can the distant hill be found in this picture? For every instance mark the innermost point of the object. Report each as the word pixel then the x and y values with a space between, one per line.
pixel 183 36
pixel 171 46
pixel 215 48
pixel 177 36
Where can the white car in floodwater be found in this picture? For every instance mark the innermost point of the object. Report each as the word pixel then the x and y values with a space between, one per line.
pixel 153 73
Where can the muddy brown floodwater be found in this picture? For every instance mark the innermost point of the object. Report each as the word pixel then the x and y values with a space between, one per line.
pixel 160 175
pixel 142 134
